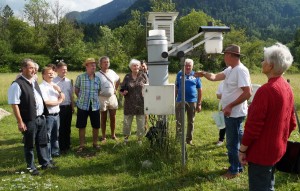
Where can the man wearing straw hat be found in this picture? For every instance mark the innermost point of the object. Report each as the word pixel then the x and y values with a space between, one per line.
pixel 236 92
pixel 87 88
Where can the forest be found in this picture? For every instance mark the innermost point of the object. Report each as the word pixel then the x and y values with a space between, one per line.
pixel 46 36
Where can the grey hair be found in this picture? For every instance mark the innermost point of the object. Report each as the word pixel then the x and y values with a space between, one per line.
pixel 190 61
pixel 36 66
pixel 280 56
pixel 103 58
pixel 134 61
pixel 25 62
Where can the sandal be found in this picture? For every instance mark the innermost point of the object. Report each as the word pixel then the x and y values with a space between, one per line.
pixel 80 149
pixel 97 147
pixel 114 138
pixel 103 140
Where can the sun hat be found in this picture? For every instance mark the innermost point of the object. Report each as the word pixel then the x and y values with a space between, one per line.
pixel 89 60
pixel 233 49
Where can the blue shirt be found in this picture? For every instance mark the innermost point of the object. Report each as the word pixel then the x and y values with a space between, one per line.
pixel 88 92
pixel 192 84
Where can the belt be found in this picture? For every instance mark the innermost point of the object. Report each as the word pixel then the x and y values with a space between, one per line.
pixel 64 106
pixel 53 114
pixel 40 116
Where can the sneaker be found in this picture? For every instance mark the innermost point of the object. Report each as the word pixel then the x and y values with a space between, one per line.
pixel 219 143
pixel 49 166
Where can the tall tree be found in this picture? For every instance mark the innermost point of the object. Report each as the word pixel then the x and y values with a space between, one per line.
pixel 162 5
pixel 37 13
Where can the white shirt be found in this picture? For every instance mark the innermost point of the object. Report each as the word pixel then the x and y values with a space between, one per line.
pixel 66 87
pixel 14 94
pixel 236 78
pixel 220 88
pixel 50 94
pixel 107 88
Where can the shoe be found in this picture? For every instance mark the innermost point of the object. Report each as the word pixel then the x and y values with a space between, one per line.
pixel 55 155
pixel 190 143
pixel 103 140
pixel 80 149
pixel 228 175
pixel 49 166
pixel 140 142
pixel 114 138
pixel 126 141
pixel 219 143
pixel 34 172
pixel 97 147
pixel 52 162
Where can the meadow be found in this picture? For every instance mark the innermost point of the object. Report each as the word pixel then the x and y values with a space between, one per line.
pixel 132 167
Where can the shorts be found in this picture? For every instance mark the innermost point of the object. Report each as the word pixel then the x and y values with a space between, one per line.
pixel 108 102
pixel 82 116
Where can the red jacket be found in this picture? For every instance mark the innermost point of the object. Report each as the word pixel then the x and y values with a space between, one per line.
pixel 270 121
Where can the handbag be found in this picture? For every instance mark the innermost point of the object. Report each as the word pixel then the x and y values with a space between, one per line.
pixel 219 118
pixel 290 162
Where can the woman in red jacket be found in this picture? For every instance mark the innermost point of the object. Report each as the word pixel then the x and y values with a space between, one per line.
pixel 270 121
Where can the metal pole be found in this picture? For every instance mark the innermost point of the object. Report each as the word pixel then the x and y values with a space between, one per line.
pixel 182 111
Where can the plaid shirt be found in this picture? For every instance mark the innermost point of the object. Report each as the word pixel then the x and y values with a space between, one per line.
pixel 88 92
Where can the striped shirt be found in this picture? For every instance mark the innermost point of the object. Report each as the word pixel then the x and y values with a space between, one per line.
pixel 88 92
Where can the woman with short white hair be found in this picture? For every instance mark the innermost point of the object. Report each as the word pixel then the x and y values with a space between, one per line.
pixel 131 89
pixel 270 121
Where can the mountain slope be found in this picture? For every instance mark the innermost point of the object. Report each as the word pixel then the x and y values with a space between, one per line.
pixel 103 14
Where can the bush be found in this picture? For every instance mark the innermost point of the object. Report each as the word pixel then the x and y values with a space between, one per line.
pixel 14 61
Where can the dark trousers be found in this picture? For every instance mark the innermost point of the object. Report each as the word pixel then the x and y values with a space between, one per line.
pixel 36 134
pixel 222 134
pixel 65 116
pixel 261 178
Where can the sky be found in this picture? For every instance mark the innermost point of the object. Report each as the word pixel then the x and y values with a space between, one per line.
pixel 69 5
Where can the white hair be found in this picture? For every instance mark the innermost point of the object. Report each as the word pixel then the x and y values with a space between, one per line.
pixel 280 56
pixel 190 61
pixel 134 61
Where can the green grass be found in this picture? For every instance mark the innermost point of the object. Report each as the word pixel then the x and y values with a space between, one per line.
pixel 119 167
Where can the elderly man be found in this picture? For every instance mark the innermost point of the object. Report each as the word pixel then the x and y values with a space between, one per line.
pixel 270 121
pixel 110 82
pixel 236 92
pixel 193 98
pixel 87 89
pixel 29 108
pixel 53 96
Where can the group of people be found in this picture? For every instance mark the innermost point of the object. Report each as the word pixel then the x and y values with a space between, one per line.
pixel 270 116
pixel 44 112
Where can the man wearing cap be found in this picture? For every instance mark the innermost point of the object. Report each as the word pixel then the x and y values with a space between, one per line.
pixel 87 88
pixel 236 92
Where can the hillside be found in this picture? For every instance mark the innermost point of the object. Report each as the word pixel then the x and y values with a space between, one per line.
pixel 103 14
pixel 264 19
pixel 277 19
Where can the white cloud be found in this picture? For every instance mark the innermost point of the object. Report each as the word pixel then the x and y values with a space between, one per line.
pixel 69 5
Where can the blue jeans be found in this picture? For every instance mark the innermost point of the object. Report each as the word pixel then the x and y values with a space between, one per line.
pixel 36 134
pixel 52 123
pixel 234 133
pixel 261 178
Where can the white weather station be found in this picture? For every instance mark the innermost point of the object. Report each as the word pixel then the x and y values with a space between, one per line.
pixel 159 94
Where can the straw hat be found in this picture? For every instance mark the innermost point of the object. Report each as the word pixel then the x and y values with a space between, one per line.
pixel 233 49
pixel 88 61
